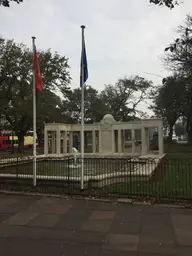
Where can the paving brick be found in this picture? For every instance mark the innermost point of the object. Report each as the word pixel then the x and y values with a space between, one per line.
pixel 73 219
pixel 124 227
pixel 158 226
pixel 84 237
pixel 129 213
pixel 7 201
pixel 4 216
pixel 94 205
pixel 48 201
pixel 183 237
pixel 119 253
pixel 22 247
pixel 182 221
pixel 121 242
pixel 102 215
pixel 53 226
pixel 37 233
pixel 151 245
pixel 8 231
pixel 184 251
pixel 182 224
pixel 161 219
pixel 58 209
pixel 20 218
pixel 97 225
pixel 44 220
pixel 13 208
pixel 84 250
pixel 31 248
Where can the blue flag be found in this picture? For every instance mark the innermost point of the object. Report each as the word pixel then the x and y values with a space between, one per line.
pixel 84 72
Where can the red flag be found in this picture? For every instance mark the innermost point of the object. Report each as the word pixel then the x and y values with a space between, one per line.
pixel 38 80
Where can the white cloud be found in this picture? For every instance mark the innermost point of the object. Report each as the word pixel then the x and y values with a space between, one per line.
pixel 122 37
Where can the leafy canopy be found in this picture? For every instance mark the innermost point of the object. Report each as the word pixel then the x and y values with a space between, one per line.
pixel 6 3
pixel 16 85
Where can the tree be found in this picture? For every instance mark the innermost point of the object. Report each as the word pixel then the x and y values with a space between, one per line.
pixel 179 129
pixel 123 98
pixel 49 111
pixel 94 106
pixel 179 58
pixel 6 3
pixel 16 84
pixel 169 101
pixel 168 3
pixel 179 53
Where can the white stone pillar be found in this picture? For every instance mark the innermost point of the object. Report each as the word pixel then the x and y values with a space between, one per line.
pixel 93 141
pixel 119 142
pixel 53 142
pixel 70 141
pixel 113 141
pixel 147 138
pixel 65 143
pixel 160 139
pixel 100 141
pixel 123 141
pixel 45 141
pixel 58 142
pixel 143 141
pixel 133 140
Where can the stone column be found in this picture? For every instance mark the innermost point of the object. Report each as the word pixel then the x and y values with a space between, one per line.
pixel 93 141
pixel 113 141
pixel 143 141
pixel 160 139
pixel 147 138
pixel 70 141
pixel 123 141
pixel 119 138
pixel 100 141
pixel 65 143
pixel 53 141
pixel 133 140
pixel 45 142
pixel 58 142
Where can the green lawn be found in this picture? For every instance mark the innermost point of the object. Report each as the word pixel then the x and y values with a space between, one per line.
pixel 172 179
pixel 92 166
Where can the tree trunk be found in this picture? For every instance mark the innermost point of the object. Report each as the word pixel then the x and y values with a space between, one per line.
pixel 170 133
pixel 21 143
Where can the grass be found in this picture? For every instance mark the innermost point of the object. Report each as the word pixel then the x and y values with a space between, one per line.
pixel 172 179
pixel 93 166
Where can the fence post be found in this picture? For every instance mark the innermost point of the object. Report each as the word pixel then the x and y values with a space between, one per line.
pixel 158 170
pixel 68 175
pixel 17 169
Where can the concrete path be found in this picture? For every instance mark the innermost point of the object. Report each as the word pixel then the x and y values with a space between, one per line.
pixel 66 227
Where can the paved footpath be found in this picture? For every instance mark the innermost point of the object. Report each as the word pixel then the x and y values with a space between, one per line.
pixel 68 227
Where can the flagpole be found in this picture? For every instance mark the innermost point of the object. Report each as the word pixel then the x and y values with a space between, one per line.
pixel 34 122
pixel 82 114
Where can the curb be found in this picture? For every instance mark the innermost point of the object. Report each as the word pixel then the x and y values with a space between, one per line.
pixel 118 201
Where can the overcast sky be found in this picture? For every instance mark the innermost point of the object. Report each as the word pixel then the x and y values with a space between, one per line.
pixel 123 37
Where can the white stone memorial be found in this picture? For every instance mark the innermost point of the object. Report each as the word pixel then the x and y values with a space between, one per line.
pixel 108 138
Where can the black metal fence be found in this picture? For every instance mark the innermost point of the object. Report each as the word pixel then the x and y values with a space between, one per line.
pixel 119 177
